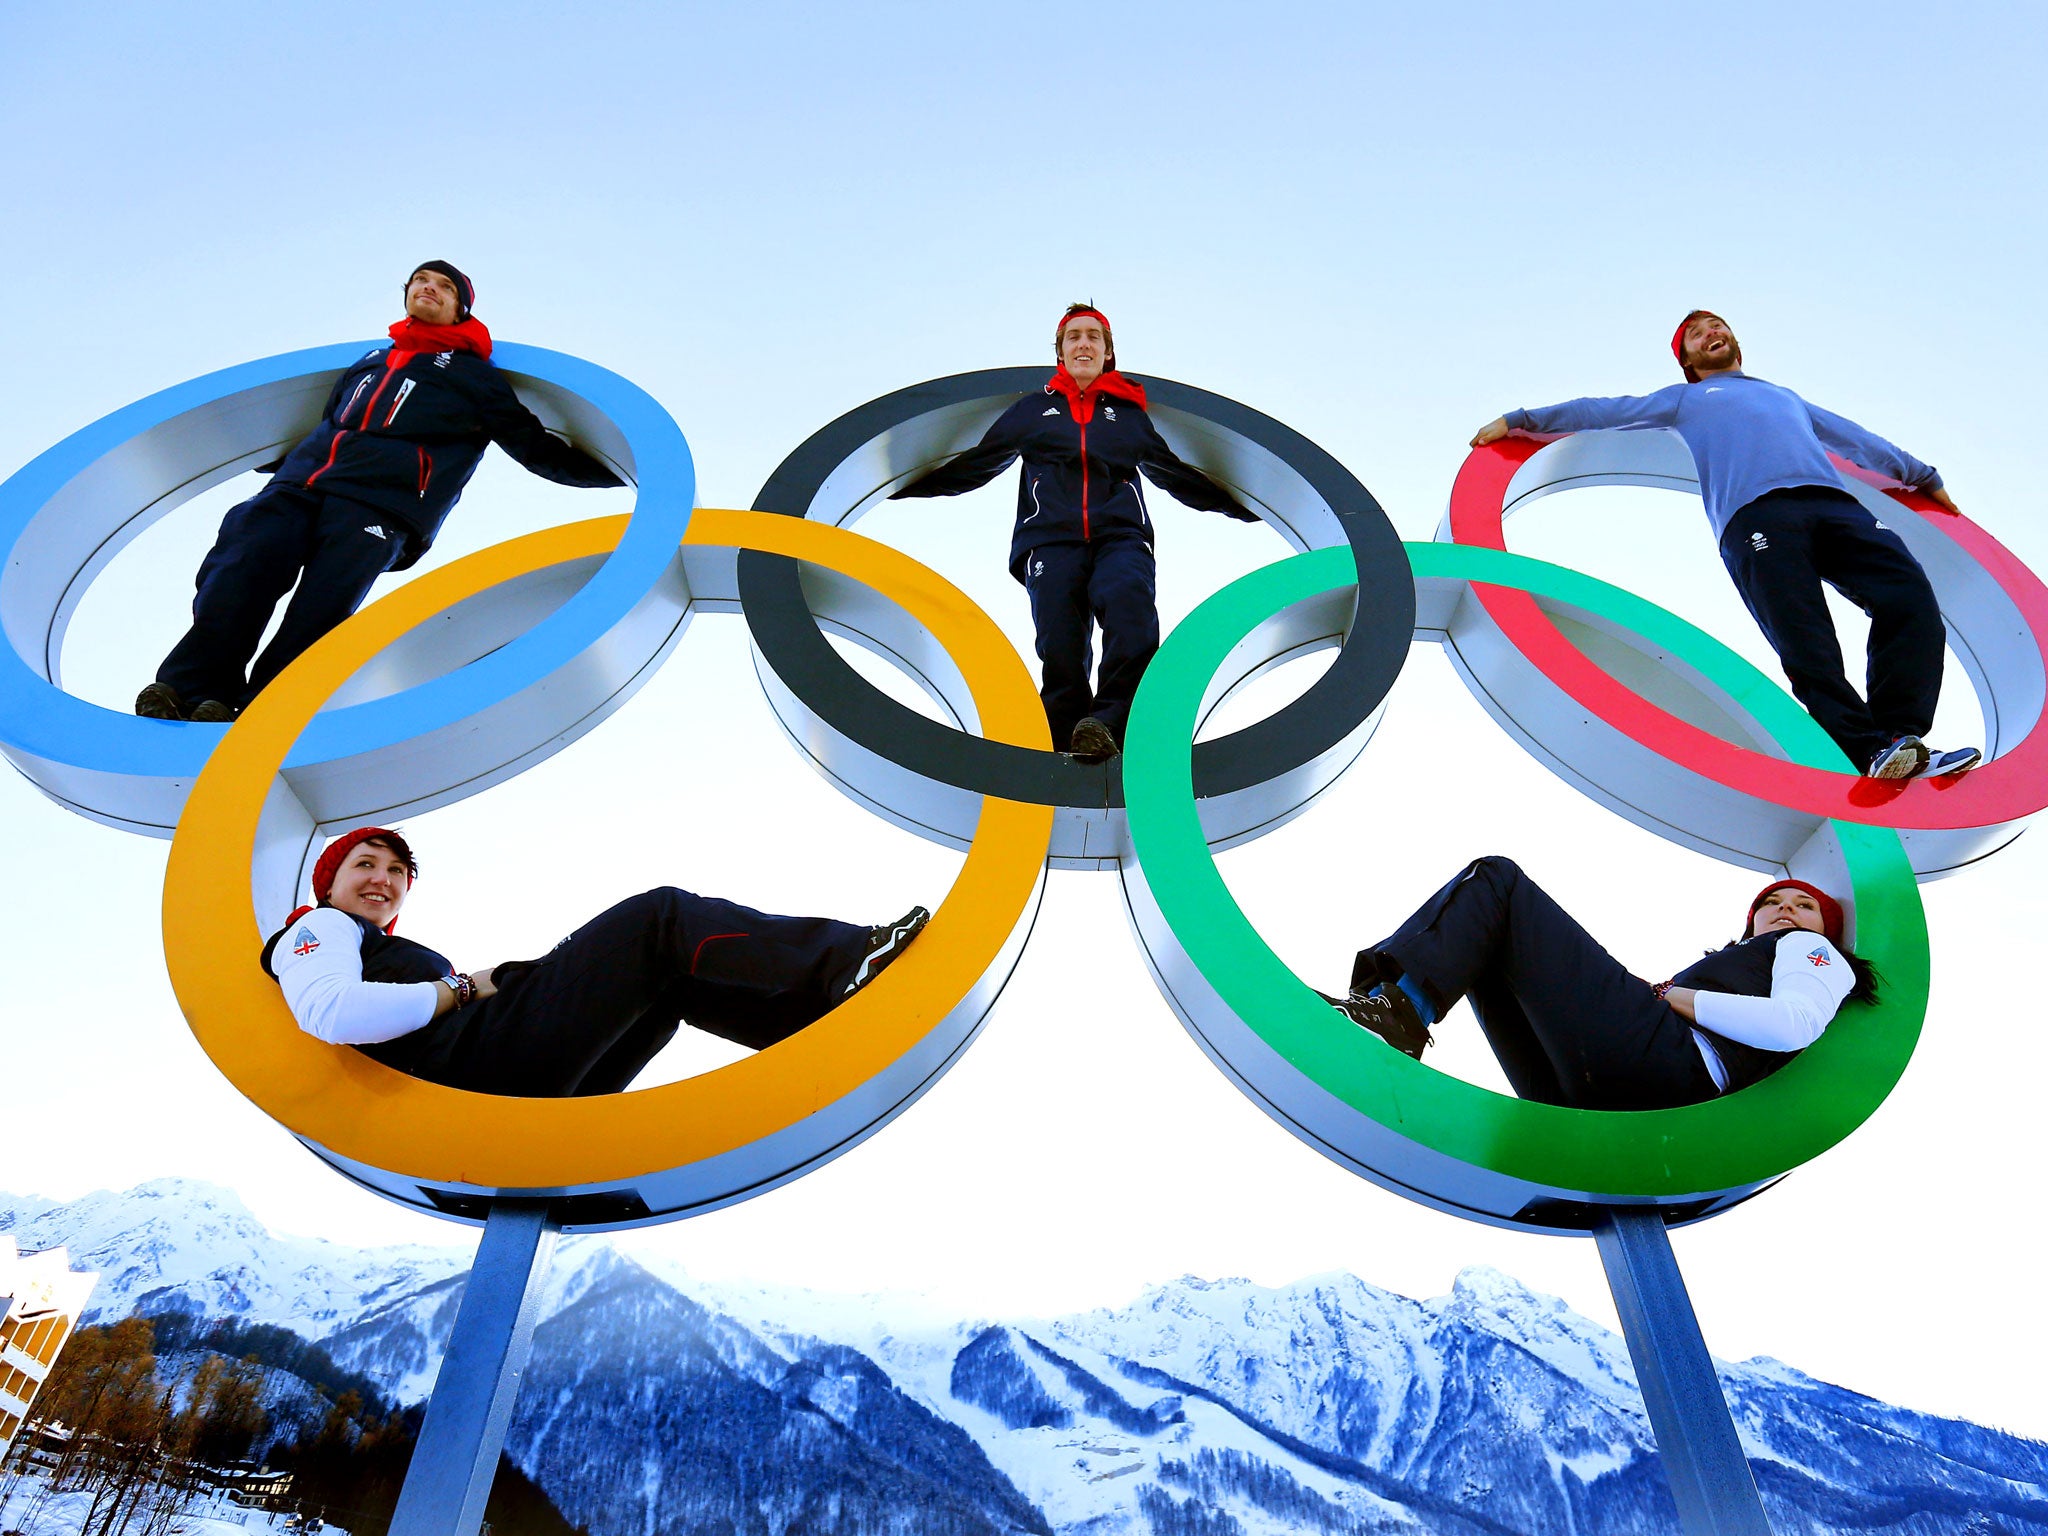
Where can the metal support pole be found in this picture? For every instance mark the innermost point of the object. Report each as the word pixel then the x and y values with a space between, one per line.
pixel 1696 1437
pixel 457 1454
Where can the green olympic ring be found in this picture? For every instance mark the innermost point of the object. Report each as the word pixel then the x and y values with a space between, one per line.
pixel 1416 1130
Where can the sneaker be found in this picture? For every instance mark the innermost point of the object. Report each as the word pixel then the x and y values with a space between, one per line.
pixel 1905 757
pixel 159 701
pixel 1955 760
pixel 213 712
pixel 885 944
pixel 1092 742
pixel 1388 1013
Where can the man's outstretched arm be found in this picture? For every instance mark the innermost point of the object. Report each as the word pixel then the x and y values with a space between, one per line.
pixel 1185 483
pixel 520 433
pixel 1589 414
pixel 971 470
pixel 1861 446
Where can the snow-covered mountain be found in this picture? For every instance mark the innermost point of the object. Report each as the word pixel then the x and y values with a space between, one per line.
pixel 179 1244
pixel 1202 1408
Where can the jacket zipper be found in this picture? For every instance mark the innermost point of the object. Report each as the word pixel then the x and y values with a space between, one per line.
pixel 426 472
pixel 333 448
pixel 370 409
pixel 1084 481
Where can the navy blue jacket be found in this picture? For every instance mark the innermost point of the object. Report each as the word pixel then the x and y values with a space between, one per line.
pixel 1082 451
pixel 405 440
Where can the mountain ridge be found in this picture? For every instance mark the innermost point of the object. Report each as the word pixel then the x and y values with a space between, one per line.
pixel 1198 1408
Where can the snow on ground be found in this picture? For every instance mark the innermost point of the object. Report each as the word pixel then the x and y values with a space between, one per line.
pixel 32 1510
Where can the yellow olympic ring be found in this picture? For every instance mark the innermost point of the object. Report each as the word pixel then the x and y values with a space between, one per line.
pixel 361 1113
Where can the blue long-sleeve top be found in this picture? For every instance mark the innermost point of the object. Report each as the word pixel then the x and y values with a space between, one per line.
pixel 1748 437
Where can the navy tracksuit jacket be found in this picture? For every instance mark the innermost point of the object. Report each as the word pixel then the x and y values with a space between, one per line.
pixel 1082 544
pixel 365 492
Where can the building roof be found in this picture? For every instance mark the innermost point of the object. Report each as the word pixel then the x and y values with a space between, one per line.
pixel 35 1284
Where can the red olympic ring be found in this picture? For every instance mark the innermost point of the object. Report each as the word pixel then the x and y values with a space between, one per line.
pixel 2011 786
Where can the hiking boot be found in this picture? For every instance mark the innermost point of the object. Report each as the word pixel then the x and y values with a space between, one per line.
pixel 1092 742
pixel 884 945
pixel 1955 760
pixel 1905 757
pixel 159 701
pixel 213 712
pixel 1389 1013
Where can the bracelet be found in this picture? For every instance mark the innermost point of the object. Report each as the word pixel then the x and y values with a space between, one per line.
pixel 1661 988
pixel 463 988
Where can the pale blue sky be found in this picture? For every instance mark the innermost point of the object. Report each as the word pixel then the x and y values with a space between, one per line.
pixel 1381 224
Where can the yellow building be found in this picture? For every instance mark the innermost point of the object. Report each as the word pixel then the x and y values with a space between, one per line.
pixel 40 1299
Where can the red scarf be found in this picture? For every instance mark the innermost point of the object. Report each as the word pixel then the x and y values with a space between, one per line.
pixel 410 336
pixel 1108 383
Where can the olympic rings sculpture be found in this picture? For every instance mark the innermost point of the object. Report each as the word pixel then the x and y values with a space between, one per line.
pixel 465 675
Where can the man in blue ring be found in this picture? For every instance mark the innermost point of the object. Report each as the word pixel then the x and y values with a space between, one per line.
pixel 364 493
pixel 1082 545
pixel 1786 524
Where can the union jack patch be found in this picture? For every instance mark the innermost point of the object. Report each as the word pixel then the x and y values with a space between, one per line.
pixel 1819 957
pixel 303 942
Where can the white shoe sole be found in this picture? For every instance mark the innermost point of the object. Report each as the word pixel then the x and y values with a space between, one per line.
pixel 1902 760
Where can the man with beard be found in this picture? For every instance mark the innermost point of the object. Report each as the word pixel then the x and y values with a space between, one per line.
pixel 1786 524
pixel 364 493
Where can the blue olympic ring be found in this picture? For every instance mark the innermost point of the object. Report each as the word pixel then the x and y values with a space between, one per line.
pixel 66 513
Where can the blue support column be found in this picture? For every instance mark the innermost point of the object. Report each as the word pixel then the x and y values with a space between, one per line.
pixel 457 1454
pixel 1696 1438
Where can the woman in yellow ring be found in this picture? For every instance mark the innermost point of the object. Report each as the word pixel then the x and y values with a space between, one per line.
pixel 587 1016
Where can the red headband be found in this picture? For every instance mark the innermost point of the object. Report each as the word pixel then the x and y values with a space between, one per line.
pixel 1830 909
pixel 1060 332
pixel 1678 339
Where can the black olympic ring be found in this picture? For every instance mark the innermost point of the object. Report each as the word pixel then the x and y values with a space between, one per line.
pixel 846 467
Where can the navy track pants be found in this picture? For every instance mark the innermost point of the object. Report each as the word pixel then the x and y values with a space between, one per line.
pixel 1074 587
pixel 1780 548
pixel 586 1017
pixel 331 547
pixel 1567 1022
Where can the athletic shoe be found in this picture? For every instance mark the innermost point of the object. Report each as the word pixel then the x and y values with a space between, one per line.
pixel 885 944
pixel 1955 760
pixel 1092 742
pixel 159 701
pixel 1389 1013
pixel 213 712
pixel 1905 757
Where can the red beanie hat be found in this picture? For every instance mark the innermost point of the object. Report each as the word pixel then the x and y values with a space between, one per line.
pixel 1830 909
pixel 1678 342
pixel 329 864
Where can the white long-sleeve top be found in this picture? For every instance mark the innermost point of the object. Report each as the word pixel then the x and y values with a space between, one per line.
pixel 1810 980
pixel 319 965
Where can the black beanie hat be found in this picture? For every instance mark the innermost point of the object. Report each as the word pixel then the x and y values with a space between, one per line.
pixel 465 290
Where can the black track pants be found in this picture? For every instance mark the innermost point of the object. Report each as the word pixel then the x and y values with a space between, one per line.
pixel 586 1018
pixel 1073 587
pixel 332 548
pixel 1566 1020
pixel 1780 548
